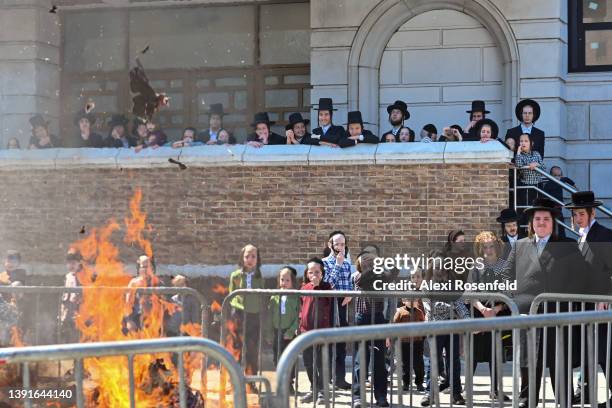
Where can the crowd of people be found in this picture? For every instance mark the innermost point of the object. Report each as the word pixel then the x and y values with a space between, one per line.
pixel 540 261
pixel 145 133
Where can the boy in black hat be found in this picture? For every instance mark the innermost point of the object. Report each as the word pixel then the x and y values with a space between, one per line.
pixel 41 138
pixel 296 132
pixel 356 132
pixel 398 113
pixel 86 137
pixel 477 113
pixel 527 112
pixel 215 123
pixel 510 231
pixel 263 135
pixel 327 133
pixel 118 135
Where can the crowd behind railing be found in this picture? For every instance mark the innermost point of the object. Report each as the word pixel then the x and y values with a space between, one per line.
pixel 541 262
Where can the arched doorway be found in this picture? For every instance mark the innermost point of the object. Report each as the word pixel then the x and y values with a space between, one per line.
pixel 438 62
pixel 382 23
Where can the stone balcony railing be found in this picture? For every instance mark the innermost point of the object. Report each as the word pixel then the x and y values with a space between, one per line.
pixel 244 155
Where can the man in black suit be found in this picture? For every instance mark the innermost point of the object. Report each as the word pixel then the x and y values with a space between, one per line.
pixel 543 263
pixel 215 122
pixel 595 245
pixel 398 114
pixel 296 131
pixel 528 112
pixel 327 133
pixel 510 231
pixel 355 131
pixel 477 113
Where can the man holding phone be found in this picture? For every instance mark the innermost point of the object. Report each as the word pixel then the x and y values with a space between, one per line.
pixel 338 274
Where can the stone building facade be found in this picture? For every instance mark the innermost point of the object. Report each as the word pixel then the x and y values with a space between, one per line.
pixel 281 56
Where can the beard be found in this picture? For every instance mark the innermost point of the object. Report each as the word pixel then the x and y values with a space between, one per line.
pixel 395 123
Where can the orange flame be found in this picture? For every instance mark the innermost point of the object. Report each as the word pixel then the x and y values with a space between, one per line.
pixel 215 306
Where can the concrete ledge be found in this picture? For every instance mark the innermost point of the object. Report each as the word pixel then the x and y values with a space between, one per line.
pixel 325 155
pixel 203 156
pixel 402 153
pixel 276 155
pixel 476 152
pixel 128 158
pixel 242 155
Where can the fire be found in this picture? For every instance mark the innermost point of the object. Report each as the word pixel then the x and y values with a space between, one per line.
pixel 219 289
pixel 109 315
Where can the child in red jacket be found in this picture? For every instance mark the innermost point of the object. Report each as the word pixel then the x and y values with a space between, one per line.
pixel 315 313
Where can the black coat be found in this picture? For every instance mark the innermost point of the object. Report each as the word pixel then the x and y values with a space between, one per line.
pixel 597 253
pixel 537 136
pixel 95 140
pixel 507 248
pixel 558 270
pixel 273 139
pixel 334 134
pixel 55 142
pixel 471 136
pixel 204 136
pixel 368 137
pixel 118 143
pixel 308 140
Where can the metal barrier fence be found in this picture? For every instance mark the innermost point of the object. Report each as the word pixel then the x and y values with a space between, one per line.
pixel 431 330
pixel 265 294
pixel 39 291
pixel 561 302
pixel 80 352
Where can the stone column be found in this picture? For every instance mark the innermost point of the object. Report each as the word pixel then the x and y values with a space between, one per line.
pixel 29 67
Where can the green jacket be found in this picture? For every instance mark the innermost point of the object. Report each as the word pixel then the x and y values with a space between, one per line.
pixel 287 322
pixel 250 303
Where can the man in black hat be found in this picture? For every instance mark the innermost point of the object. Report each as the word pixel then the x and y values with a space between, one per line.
pixel 477 113
pixel 41 138
pixel 527 112
pixel 398 113
pixel 543 263
pixel 215 123
pixel 356 132
pixel 263 135
pixel 118 135
pixel 595 245
pixel 327 133
pixel 296 132
pixel 510 232
pixel 86 137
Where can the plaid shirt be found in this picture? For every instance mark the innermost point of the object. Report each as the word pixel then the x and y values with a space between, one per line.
pixel 364 305
pixel 339 276
pixel 437 310
pixel 529 177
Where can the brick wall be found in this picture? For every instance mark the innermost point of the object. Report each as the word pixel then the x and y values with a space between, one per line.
pixel 204 215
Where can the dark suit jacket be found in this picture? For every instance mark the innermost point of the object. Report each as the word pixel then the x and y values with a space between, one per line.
pixel 537 136
pixel 597 253
pixel 560 269
pixel 308 140
pixel 334 134
pixel 507 246
pixel 204 136
pixel 273 139
pixel 95 140
pixel 368 137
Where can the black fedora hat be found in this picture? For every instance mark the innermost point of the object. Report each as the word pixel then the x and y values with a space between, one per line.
pixel 84 114
pixel 296 118
pixel 400 105
pixel 216 109
pixel 118 120
pixel 262 117
pixel 38 120
pixel 325 104
pixel 583 199
pixel 486 121
pixel 478 106
pixel 542 204
pixel 507 215
pixel 518 110
pixel 355 117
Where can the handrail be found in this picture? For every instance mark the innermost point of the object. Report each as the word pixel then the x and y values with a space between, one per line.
pixel 78 352
pixel 383 331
